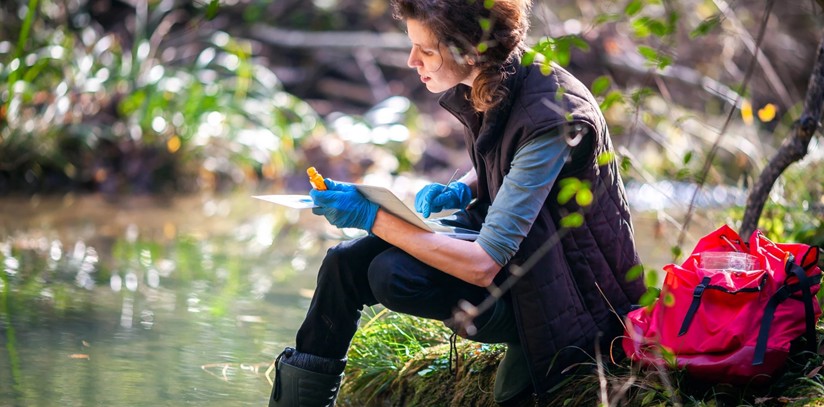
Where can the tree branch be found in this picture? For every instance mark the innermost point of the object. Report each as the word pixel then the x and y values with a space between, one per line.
pixel 329 39
pixel 793 149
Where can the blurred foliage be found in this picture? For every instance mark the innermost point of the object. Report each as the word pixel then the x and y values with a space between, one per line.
pixel 796 211
pixel 86 108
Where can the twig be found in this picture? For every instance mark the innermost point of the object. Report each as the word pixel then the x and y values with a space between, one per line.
pixel 372 73
pixel 602 378
pixel 682 74
pixel 769 71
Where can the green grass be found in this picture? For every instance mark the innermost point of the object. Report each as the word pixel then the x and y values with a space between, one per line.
pixel 386 342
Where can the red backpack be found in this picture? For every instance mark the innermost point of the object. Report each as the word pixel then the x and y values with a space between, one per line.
pixel 734 322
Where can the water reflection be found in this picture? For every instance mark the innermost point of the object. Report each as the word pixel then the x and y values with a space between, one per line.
pixel 134 303
pixel 673 195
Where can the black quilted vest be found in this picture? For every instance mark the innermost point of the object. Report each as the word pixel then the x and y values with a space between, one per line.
pixel 569 298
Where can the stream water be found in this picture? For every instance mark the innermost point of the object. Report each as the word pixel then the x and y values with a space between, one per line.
pixel 164 302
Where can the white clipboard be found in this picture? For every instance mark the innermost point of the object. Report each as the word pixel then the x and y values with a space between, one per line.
pixel 388 201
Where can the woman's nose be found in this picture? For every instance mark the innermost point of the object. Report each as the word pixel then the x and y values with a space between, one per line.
pixel 413 61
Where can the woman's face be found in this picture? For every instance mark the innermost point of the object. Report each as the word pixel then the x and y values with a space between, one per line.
pixel 434 62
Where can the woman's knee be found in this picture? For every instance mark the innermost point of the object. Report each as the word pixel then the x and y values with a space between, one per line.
pixel 394 285
pixel 341 265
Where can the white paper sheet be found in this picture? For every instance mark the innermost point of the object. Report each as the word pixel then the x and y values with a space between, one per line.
pixel 292 201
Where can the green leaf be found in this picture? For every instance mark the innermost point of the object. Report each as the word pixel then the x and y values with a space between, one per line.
pixel 570 182
pixel 546 68
pixel 633 8
pixel 610 99
pixel 605 158
pixel 529 57
pixel 485 24
pixel 607 18
pixel 483 47
pixel 600 85
pixel 577 41
pixel 669 357
pixel 640 95
pixel 640 28
pixel 706 26
pixel 211 10
pixel 648 52
pixel 646 26
pixel 648 398
pixel 658 28
pixel 651 278
pixel 635 272
pixel 573 220
pixel 626 163
pixel 649 297
pixel 688 157
pixel 544 44
pixel 584 197
pixel 676 252
pixel 132 102
pixel 562 56
pixel 566 193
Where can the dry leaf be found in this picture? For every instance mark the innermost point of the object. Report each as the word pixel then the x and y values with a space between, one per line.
pixel 767 113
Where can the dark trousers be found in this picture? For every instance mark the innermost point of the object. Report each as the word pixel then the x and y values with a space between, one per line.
pixel 367 271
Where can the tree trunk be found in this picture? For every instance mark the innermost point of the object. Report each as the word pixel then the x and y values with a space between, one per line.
pixel 793 149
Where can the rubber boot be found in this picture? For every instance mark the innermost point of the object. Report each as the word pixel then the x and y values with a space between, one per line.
pixel 305 385
pixel 512 378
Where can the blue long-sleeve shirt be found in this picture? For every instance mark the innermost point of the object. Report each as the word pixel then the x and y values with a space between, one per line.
pixel 534 170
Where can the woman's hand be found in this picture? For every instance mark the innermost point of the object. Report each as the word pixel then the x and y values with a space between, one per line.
pixel 437 197
pixel 343 206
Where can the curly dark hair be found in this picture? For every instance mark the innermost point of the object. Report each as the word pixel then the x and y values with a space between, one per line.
pixel 489 32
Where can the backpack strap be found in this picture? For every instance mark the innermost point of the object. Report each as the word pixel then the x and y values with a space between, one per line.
pixel 699 292
pixel 804 283
pixel 696 301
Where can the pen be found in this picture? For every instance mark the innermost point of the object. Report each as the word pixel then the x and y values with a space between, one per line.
pixel 452 178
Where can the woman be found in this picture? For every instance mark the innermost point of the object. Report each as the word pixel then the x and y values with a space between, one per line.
pixel 525 131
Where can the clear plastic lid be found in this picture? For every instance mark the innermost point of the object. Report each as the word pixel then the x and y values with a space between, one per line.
pixel 728 261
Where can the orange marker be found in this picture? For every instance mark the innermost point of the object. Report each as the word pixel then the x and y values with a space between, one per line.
pixel 315 179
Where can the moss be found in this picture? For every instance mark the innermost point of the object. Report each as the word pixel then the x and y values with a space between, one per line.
pixel 428 380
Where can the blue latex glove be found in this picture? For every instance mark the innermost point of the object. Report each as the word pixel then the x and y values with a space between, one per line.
pixel 437 197
pixel 343 206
